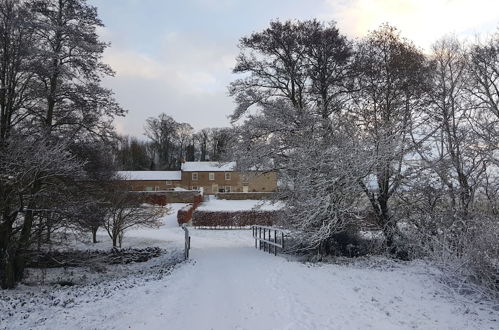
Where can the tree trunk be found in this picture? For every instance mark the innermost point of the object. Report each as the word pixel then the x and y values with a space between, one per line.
pixel 7 270
pixel 94 234
pixel 23 246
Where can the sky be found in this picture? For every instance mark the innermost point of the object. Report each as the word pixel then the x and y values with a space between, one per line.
pixel 176 56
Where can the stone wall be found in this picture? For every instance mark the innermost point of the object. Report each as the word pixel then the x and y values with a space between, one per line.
pixel 165 197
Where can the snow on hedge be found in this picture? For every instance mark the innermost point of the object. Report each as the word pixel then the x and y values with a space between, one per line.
pixel 239 205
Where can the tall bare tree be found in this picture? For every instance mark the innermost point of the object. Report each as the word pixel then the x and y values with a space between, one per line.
pixel 392 78
pixel 17 55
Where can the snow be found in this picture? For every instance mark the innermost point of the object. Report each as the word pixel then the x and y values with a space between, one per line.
pixel 238 205
pixel 228 284
pixel 208 166
pixel 151 175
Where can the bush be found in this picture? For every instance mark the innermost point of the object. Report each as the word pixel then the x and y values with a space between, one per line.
pixel 466 251
pixel 349 243
pixel 233 219
pixel 184 215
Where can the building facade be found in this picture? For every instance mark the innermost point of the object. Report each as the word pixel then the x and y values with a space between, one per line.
pixel 209 177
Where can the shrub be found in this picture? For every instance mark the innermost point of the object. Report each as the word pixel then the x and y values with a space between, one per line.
pixel 233 219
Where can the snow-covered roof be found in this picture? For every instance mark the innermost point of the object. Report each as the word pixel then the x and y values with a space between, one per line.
pixel 150 175
pixel 208 166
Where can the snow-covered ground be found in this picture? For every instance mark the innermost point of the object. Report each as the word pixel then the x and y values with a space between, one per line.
pixel 238 205
pixel 228 284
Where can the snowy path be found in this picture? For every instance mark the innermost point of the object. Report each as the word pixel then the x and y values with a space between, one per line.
pixel 230 285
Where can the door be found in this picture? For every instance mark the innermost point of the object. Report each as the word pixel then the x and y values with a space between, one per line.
pixel 245 189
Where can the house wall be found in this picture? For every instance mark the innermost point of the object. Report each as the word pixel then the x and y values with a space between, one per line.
pixel 266 182
pixel 255 182
pixel 150 185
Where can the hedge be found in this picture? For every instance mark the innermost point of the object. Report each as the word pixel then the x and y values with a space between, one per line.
pixel 184 215
pixel 233 219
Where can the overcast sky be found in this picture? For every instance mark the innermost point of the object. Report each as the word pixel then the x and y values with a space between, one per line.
pixel 176 56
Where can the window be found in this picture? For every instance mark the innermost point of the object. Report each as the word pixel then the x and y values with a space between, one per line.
pixel 156 188
pixel 227 176
pixel 148 188
pixel 227 189
pixel 194 176
pixel 244 178
pixel 168 183
pixel 194 188
pixel 211 176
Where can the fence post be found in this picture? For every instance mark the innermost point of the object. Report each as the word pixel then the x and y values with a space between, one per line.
pixel 275 242
pixel 187 244
pixel 260 236
pixel 266 241
pixel 255 235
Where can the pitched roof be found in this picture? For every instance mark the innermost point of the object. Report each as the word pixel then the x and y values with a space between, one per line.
pixel 208 166
pixel 150 175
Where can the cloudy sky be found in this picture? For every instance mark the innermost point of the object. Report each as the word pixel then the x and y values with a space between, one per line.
pixel 176 56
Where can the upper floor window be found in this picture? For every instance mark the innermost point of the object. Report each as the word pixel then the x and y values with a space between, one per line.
pixel 168 183
pixel 227 176
pixel 194 176
pixel 211 176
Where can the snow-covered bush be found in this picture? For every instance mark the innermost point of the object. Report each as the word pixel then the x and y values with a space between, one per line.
pixel 468 252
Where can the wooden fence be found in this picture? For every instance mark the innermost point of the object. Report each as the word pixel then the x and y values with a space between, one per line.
pixel 268 238
pixel 187 244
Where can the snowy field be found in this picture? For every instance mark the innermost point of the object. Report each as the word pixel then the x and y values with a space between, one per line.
pixel 228 284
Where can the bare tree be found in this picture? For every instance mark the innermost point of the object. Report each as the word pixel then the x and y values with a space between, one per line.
pixel 162 131
pixel 17 54
pixel 327 56
pixel 50 100
pixel 203 138
pixel 456 154
pixel 70 69
pixel 183 135
pixel 126 210
pixel 32 170
pixel 392 76
pixel 275 60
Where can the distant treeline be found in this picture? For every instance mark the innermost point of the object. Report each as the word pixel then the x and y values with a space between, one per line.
pixel 170 143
